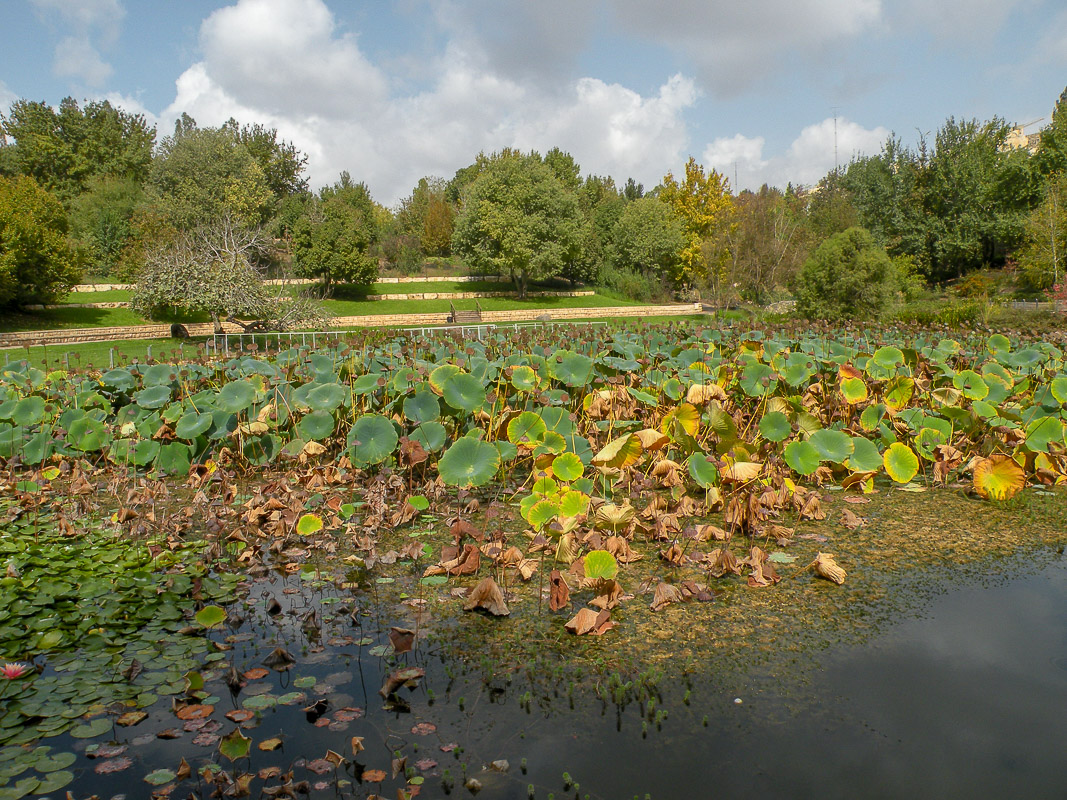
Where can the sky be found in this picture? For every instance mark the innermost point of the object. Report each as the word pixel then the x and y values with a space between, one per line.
pixel 764 91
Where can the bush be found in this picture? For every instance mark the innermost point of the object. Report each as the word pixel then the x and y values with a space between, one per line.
pixel 633 285
pixel 849 275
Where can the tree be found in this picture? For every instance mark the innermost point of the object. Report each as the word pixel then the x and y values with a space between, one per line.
pixel 1052 151
pixel 648 238
pixel 332 242
pixel 203 174
pixel 704 205
pixel 848 275
pixel 64 150
pixel 428 216
pixel 517 219
pixel 281 163
pixel 37 262
pixel 1043 254
pixel 768 244
pixel 212 269
pixel 101 219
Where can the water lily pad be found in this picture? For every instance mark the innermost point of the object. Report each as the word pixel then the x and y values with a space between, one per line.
pixel 94 727
pixel 159 777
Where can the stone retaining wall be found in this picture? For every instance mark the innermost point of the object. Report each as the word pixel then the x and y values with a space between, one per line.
pixel 111 287
pixel 416 296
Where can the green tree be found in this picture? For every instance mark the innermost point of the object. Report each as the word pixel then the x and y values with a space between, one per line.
pixel 333 241
pixel 428 216
pixel 517 219
pixel 202 174
pixel 648 239
pixel 37 262
pixel 1052 150
pixel 848 275
pixel 102 219
pixel 1043 254
pixel 704 205
pixel 64 149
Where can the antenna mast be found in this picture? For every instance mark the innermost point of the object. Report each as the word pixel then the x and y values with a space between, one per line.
pixel 835 139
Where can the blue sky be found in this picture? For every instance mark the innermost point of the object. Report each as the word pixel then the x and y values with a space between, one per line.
pixel 393 91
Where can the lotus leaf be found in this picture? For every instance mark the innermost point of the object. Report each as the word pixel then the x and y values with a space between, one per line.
pixel 901 464
pixel 372 439
pixel 998 477
pixel 469 462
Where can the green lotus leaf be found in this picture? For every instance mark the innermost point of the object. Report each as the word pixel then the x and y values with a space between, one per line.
pixel 774 426
pixel 900 463
pixel 971 384
pixel 759 380
pixel 832 445
pixel 210 616
pixel 463 391
pixel 1042 432
pixel 600 565
pixel 469 462
pixel 372 439
pixel 802 457
pixel 865 456
pixel 570 368
pixel 567 467
pixel 87 434
pixel 159 777
pixel 523 378
pixel 526 428
pixel 235 745
pixel 153 397
pixel 326 396
pixel 702 471
pixel 28 411
pixel 192 424
pixel 236 396
pixel 441 374
pixel 422 406
pixel 854 390
pixel 431 435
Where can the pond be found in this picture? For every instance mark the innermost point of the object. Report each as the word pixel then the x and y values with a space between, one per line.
pixel 960 695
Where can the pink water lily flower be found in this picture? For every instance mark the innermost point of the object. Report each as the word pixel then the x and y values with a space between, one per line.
pixel 12 671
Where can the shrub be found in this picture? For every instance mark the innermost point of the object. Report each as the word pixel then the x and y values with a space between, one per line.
pixel 849 275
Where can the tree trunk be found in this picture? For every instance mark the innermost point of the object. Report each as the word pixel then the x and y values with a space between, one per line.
pixel 217 321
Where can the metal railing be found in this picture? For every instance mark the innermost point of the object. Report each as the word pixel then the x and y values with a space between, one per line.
pixel 224 343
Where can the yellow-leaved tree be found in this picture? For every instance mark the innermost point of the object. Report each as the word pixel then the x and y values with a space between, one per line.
pixel 704 204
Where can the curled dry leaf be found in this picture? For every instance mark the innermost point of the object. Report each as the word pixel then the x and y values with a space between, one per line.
pixel 608 595
pixel 723 561
pixel 825 567
pixel 559 593
pixel 742 471
pixel 402 639
pixel 620 548
pixel 589 621
pixel 487 595
pixel 673 555
pixel 666 594
pixel 851 520
pixel 280 659
pixel 612 517
pixel 410 677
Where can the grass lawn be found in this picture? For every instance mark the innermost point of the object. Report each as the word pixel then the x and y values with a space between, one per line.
pixel 62 318
pixel 113 296
pixel 98 353
pixel 352 308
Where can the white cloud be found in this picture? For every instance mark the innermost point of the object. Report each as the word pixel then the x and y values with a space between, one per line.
pixel 736 43
pixel 7 97
pixel 321 92
pixel 92 25
pixel 958 22
pixel 807 159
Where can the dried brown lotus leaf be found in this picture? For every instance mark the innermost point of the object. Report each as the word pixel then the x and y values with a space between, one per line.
pixel 620 548
pixel 704 533
pixel 723 561
pixel 568 549
pixel 487 595
pixel 608 595
pixel 559 593
pixel 666 594
pixel 851 520
pixel 825 567
pixel 713 499
pixel 527 568
pixel 742 471
pixel 700 393
pixel 651 439
pixel 589 621
pixel 673 555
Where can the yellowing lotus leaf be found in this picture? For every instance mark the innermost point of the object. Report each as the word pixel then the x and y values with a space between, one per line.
pixel 612 517
pixel 742 471
pixel 620 453
pixel 685 415
pixel 998 477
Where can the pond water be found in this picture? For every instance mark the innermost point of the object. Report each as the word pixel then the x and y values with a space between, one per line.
pixel 961 697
